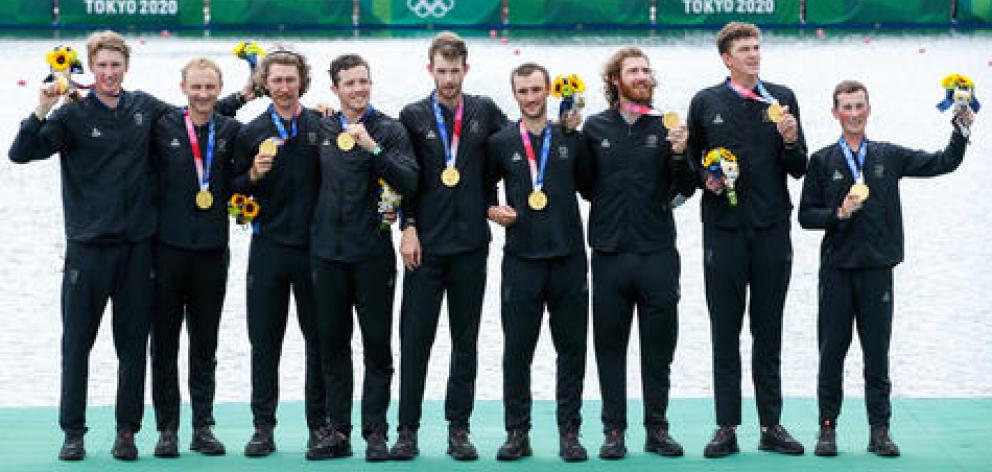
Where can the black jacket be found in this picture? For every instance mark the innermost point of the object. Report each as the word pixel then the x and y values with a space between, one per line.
pixel 556 230
pixel 873 236
pixel 451 220
pixel 346 226
pixel 108 189
pixel 636 177
pixel 107 182
pixel 286 194
pixel 181 223
pixel 718 117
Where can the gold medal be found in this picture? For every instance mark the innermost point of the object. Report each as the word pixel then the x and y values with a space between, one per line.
pixel 346 141
pixel 775 112
pixel 537 200
pixel 671 120
pixel 859 191
pixel 204 199
pixel 268 147
pixel 450 176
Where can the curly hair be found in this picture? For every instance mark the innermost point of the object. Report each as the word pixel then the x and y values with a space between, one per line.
pixel 284 56
pixel 612 71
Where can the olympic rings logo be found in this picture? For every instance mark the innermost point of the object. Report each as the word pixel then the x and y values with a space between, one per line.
pixel 435 8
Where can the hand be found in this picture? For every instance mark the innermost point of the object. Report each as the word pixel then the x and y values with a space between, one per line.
pixel 361 135
pixel 325 109
pixel 261 166
pixel 965 116
pixel 48 97
pixel 410 248
pixel 788 127
pixel 247 92
pixel 847 208
pixel 678 137
pixel 573 119
pixel 503 215
pixel 714 184
pixel 389 216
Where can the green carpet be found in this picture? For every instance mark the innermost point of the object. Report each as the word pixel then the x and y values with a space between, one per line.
pixel 934 435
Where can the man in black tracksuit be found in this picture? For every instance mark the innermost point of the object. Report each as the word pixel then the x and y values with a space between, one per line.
pixel 285 187
pixel 863 241
pixel 191 254
pixel 544 260
pixel 634 261
pixel 108 193
pixel 747 244
pixel 445 245
pixel 353 263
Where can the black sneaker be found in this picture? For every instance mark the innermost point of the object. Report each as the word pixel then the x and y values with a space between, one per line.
pixel 72 448
pixel 341 441
pixel 613 445
pixel 124 448
pixel 206 443
pixel 723 444
pixel 168 444
pixel 460 447
pixel 405 447
pixel 569 447
pixel 658 440
pixel 881 444
pixel 777 439
pixel 261 444
pixel 320 444
pixel 376 449
pixel 517 445
pixel 826 442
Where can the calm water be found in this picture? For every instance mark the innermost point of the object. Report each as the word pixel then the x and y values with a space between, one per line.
pixel 943 314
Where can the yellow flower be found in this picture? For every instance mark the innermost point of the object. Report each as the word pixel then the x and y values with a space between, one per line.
pixel 248 48
pixel 957 81
pixel 717 155
pixel 577 85
pixel 60 59
pixel 250 209
pixel 238 199
pixel 566 86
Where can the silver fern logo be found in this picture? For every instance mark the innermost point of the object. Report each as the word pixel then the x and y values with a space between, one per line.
pixel 430 8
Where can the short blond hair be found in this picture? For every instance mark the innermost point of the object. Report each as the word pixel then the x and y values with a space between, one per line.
pixel 108 40
pixel 202 63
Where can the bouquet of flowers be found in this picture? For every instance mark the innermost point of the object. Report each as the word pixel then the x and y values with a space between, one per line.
pixel 959 92
pixel 720 162
pixel 389 202
pixel 62 63
pixel 569 90
pixel 250 52
pixel 243 209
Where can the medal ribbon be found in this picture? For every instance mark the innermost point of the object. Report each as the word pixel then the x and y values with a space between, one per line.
pixel 855 164
pixel 202 171
pixel 638 108
pixel 450 151
pixel 745 92
pixel 536 174
pixel 361 119
pixel 277 121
